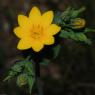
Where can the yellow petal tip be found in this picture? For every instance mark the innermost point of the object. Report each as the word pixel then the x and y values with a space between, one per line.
pixel 59 28
pixel 34 7
pixel 51 13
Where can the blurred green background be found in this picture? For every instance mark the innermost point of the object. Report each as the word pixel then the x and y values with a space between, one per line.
pixel 72 73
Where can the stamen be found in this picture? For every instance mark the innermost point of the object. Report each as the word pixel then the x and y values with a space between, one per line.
pixel 37 32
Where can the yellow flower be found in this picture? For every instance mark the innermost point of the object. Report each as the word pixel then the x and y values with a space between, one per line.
pixel 36 30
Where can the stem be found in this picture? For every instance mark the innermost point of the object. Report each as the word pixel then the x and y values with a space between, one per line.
pixel 37 78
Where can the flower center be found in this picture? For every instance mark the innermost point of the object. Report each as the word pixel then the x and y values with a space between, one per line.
pixel 37 32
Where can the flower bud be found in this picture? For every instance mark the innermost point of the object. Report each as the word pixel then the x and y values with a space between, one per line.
pixel 78 23
pixel 21 80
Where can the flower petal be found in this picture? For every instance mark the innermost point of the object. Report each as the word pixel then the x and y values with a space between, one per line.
pixel 49 40
pixel 18 32
pixel 35 15
pixel 37 46
pixel 53 29
pixel 47 18
pixel 24 44
pixel 21 33
pixel 23 21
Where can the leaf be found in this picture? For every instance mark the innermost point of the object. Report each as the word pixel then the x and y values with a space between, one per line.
pixel 7 78
pixel 75 36
pixel 64 34
pixel 75 13
pixel 31 81
pixel 88 41
pixel 56 50
pixel 45 61
pixel 24 72
pixel 66 14
pixel 10 75
pixel 89 30
pixel 72 36
pixel 17 68
pixel 57 18
pixel 81 36
pixel 68 34
pixel 29 68
pixel 71 13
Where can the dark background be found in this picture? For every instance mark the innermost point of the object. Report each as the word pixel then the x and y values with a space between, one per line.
pixel 72 73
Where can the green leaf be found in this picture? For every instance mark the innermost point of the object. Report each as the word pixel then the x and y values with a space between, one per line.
pixel 29 68
pixel 68 34
pixel 24 71
pixel 56 50
pixel 66 14
pixel 75 13
pixel 81 36
pixel 89 30
pixel 88 41
pixel 71 13
pixel 31 81
pixel 17 68
pixel 64 34
pixel 45 61
pixel 75 36
pixel 10 75
pixel 72 36
pixel 7 78
pixel 57 18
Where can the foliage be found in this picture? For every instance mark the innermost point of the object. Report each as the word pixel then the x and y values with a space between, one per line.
pixel 73 27
pixel 56 50
pixel 24 72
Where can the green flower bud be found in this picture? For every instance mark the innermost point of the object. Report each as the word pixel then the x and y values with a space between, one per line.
pixel 22 80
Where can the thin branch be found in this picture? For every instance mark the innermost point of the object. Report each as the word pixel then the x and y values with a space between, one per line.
pixel 38 81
